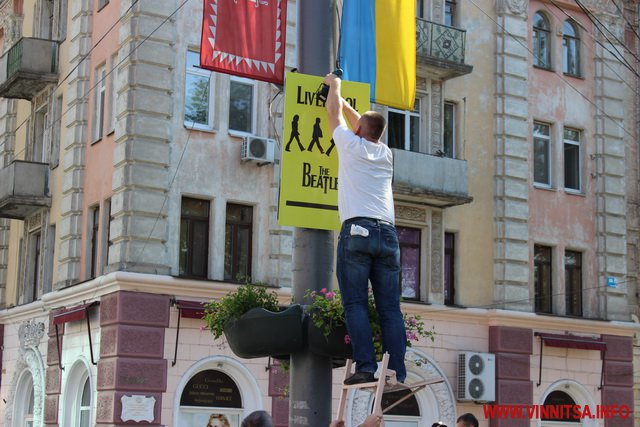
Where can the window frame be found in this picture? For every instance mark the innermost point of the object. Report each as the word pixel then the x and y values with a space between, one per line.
pixel 404 246
pixel 408 115
pixel 191 221
pixel 543 297
pixel 449 286
pixel 570 271
pixel 204 74
pixel 452 20
pixel 575 40
pixel 56 132
pixel 94 242
pixel 99 102
pixel 40 135
pixel 578 167
pixel 454 129
pixel 230 253
pixel 101 5
pixel 537 43
pixel 536 137
pixel 111 101
pixel 253 84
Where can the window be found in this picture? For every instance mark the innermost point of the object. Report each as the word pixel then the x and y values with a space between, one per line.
pixel 541 41
pixel 84 408
pixel 95 227
pixel 61 18
pixel 77 398
pixel 542 279
pixel 32 287
pixel 450 13
pixel 420 9
pixel 197 94
pixel 39 135
pixel 570 49
pixel 24 401
pixel 194 238
pixel 43 25
pixel 404 128
pixel 409 239
pixel 449 131
pixel 241 105
pixel 541 154
pixel 100 82
pixel 572 172
pixel 56 132
pixel 50 253
pixel 553 405
pixel 449 268
pixel 573 282
pixel 107 233
pixel 111 112
pixel 237 242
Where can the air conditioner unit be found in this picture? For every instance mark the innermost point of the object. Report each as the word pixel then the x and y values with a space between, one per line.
pixel 476 377
pixel 258 149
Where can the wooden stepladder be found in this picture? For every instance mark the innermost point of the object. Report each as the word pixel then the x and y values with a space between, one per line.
pixel 386 383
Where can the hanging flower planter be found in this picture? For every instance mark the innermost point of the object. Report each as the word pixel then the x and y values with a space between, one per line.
pixel 335 345
pixel 262 333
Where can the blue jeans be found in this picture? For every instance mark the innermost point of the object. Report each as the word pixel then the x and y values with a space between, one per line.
pixel 374 258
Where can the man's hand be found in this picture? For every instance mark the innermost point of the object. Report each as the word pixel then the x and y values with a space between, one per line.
pixel 373 420
pixel 337 423
pixel 330 78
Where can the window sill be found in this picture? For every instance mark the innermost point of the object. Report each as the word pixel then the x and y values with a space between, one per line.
pixel 239 134
pixel 95 141
pixel 102 6
pixel 543 187
pixel 575 76
pixel 538 67
pixel 200 128
pixel 574 192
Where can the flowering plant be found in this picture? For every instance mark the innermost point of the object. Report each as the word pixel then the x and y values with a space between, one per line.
pixel 327 314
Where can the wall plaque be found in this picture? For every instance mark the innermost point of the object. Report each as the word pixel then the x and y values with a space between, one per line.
pixel 211 388
pixel 137 408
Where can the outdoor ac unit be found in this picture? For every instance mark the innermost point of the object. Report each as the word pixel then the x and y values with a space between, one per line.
pixel 476 377
pixel 258 149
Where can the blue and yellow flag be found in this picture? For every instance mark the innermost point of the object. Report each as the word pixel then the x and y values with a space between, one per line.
pixel 378 46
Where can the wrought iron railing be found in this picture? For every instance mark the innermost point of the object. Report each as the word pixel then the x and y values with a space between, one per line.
pixel 440 41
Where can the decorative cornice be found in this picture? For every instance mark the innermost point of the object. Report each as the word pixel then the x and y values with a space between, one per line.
pixel 30 334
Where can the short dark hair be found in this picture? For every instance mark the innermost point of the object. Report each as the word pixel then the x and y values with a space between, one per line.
pixel 468 420
pixel 374 124
pixel 257 419
pixel 438 424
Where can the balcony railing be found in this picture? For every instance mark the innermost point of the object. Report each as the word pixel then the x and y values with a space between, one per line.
pixel 441 49
pixel 438 181
pixel 24 189
pixel 28 67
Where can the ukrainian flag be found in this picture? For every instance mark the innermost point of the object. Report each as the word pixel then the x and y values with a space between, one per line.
pixel 378 46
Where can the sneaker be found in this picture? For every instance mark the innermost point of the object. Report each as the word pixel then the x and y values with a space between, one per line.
pixel 360 378
pixel 391 388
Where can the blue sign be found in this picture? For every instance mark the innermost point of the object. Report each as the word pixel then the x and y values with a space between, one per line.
pixel 611 282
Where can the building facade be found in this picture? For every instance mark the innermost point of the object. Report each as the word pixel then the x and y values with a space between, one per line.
pixel 125 202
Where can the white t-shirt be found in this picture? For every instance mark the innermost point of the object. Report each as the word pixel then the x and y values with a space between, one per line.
pixel 365 173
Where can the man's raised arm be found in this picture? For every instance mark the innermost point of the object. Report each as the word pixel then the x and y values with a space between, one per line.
pixel 352 115
pixel 334 101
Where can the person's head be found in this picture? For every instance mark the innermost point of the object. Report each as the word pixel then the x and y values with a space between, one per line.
pixel 467 420
pixel 438 424
pixel 296 117
pixel 257 419
pixel 218 420
pixel 371 126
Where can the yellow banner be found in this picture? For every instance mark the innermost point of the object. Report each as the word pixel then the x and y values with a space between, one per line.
pixel 309 162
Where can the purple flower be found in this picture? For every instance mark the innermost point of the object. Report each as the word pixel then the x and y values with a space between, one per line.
pixel 330 295
pixel 323 290
pixel 347 340
pixel 412 336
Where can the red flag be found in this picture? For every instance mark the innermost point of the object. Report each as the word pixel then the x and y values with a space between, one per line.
pixel 245 38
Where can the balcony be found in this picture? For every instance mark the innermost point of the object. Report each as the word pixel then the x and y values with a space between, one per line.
pixel 440 50
pixel 28 67
pixel 24 189
pixel 436 181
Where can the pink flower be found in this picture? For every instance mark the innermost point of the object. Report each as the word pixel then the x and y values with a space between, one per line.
pixel 347 340
pixel 412 336
pixel 323 290
pixel 330 295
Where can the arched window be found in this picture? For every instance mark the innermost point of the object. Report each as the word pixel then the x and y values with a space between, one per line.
pixel 78 397
pixel 541 41
pixel 554 408
pixel 24 401
pixel 570 49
